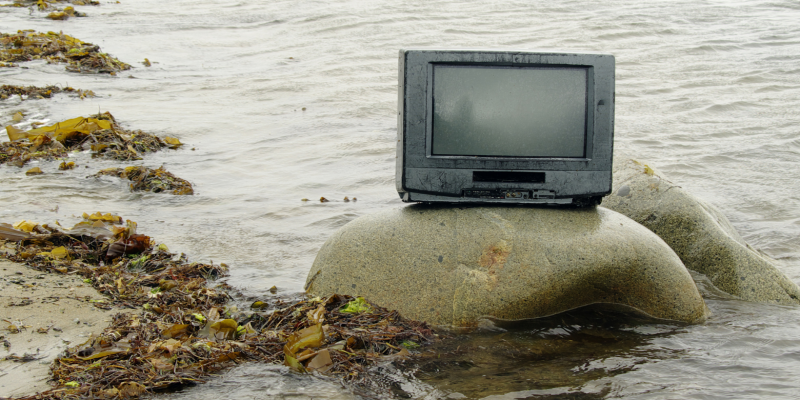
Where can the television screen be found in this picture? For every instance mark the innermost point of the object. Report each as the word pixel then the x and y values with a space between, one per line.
pixel 486 126
pixel 509 112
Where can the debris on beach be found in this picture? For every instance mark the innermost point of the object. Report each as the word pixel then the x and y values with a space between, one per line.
pixel 326 200
pixel 18 154
pixel 151 180
pixel 80 56
pixel 33 92
pixel 100 133
pixel 181 327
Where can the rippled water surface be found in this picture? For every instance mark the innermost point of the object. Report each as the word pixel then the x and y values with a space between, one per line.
pixel 283 100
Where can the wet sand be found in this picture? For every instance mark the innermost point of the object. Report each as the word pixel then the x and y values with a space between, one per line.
pixel 51 312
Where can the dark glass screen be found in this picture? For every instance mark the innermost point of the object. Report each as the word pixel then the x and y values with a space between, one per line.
pixel 509 111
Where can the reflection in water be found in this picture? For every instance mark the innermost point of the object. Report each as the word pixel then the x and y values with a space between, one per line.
pixel 553 354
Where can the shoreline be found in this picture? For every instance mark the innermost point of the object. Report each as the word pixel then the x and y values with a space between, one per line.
pixel 44 308
pixel 170 327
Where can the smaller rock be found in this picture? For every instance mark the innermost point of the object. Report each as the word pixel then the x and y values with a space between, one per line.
pixel 699 233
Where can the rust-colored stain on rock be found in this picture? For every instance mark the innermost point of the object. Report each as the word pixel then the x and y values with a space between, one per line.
pixel 494 257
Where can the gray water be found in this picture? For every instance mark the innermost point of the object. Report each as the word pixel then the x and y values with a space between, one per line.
pixel 284 100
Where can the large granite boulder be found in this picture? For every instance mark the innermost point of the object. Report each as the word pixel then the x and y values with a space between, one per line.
pixel 701 236
pixel 454 265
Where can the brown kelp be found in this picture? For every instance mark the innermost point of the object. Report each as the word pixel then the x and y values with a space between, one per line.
pixel 34 92
pixel 180 326
pixel 80 56
pixel 100 133
pixel 151 180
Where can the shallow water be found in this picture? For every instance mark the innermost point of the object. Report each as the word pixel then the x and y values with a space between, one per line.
pixel 707 92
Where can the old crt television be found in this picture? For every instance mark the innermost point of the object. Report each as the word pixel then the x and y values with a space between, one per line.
pixel 504 127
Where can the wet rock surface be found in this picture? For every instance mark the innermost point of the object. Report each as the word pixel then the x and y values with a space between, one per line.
pixel 702 237
pixel 453 266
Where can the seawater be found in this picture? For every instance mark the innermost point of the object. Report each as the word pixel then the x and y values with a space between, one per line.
pixel 283 100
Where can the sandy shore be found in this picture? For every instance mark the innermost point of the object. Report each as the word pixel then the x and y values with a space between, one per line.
pixel 41 314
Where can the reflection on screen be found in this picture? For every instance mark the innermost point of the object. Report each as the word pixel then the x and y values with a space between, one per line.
pixel 509 111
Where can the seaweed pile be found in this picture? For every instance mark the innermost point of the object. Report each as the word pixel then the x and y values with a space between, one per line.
pixel 82 57
pixel 180 330
pixel 65 14
pixel 151 180
pixel 18 153
pixel 101 134
pixel 34 92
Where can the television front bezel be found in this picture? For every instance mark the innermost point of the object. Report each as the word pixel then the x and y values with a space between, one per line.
pixel 415 131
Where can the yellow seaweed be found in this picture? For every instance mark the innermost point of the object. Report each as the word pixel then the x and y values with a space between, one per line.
pixel 34 171
pixel 107 217
pixel 358 305
pixel 59 252
pixel 64 130
pixel 172 142
pixel 15 133
pixel 312 336
pixel 227 327
pixel 25 226
pixel 292 363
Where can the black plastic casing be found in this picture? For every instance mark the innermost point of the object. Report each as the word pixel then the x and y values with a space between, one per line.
pixel 425 177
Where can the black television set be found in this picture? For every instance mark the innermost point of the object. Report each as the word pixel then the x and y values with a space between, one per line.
pixel 485 126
